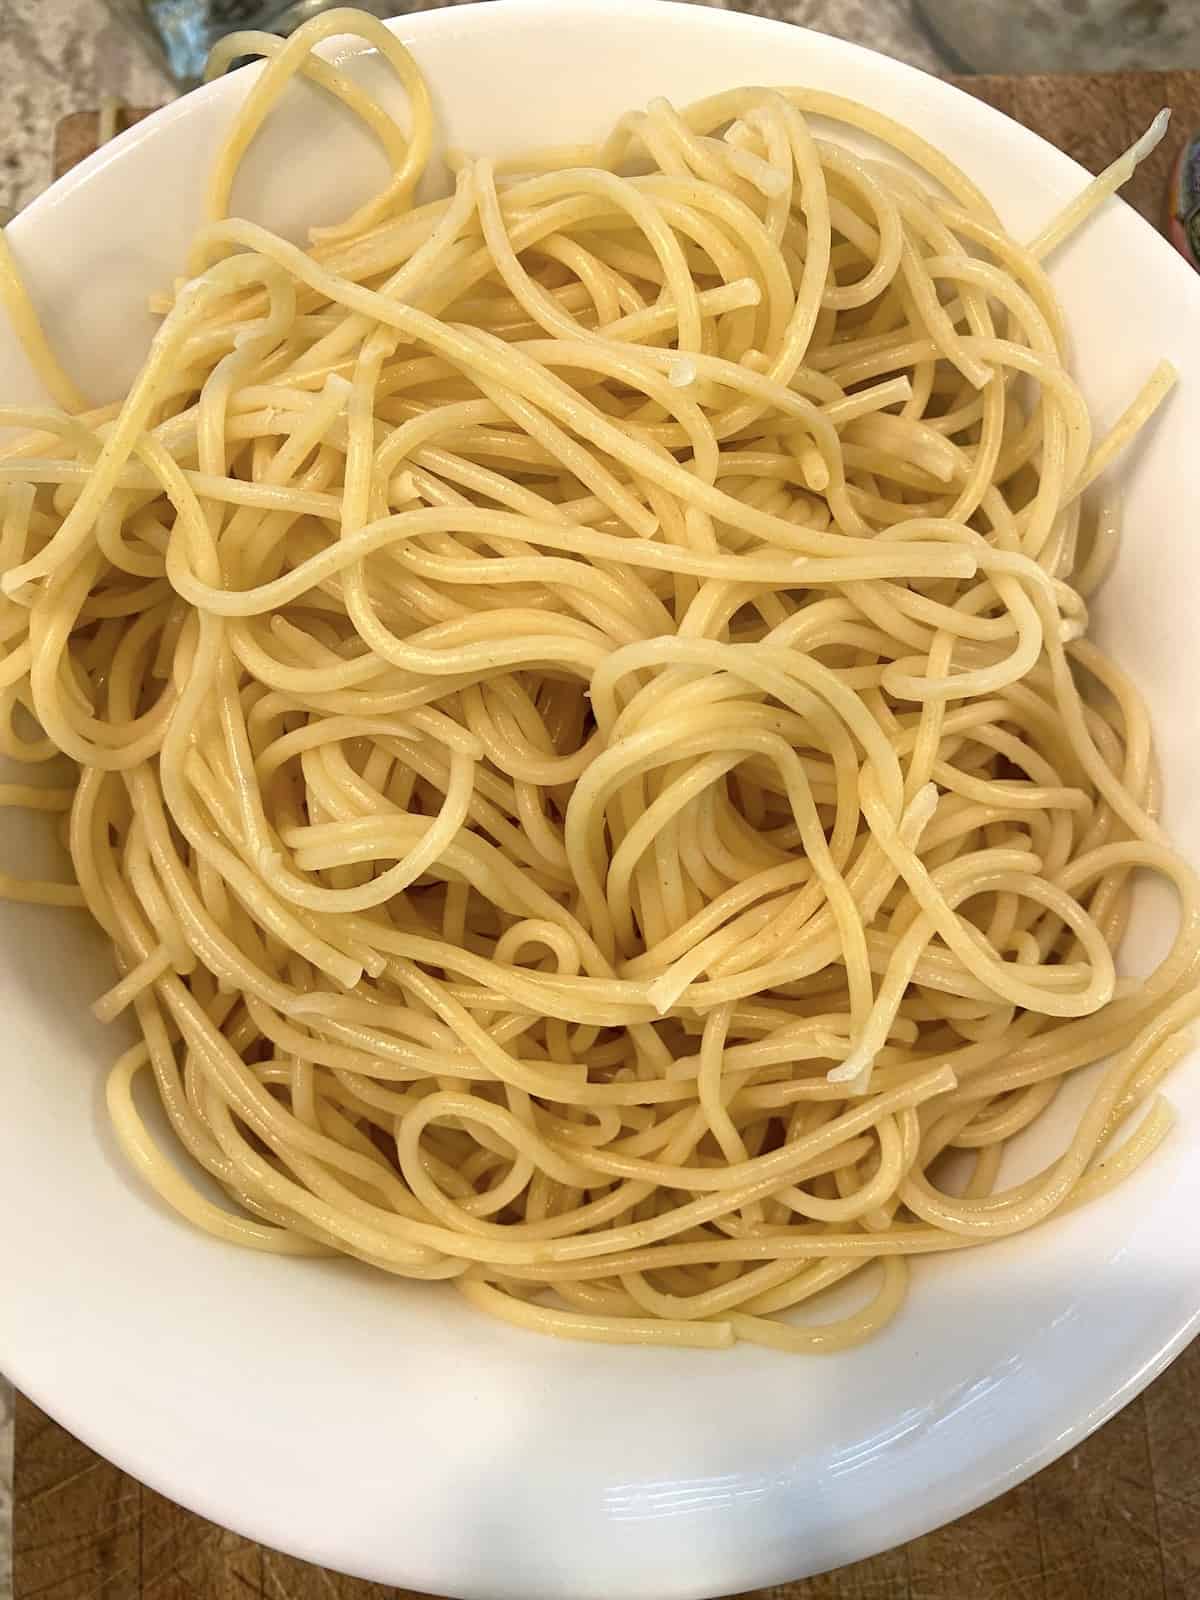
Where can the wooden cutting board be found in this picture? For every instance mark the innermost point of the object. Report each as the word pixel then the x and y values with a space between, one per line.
pixel 1116 1519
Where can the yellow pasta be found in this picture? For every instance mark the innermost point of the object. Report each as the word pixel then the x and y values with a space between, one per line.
pixel 588 752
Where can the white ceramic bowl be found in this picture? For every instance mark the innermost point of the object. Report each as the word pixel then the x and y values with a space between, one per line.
pixel 385 1429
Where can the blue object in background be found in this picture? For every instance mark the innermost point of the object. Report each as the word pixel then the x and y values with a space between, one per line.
pixel 1183 201
pixel 186 30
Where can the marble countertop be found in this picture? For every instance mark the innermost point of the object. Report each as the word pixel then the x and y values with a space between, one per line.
pixel 59 56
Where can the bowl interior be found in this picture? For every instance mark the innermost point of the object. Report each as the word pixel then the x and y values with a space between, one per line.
pixel 383 1428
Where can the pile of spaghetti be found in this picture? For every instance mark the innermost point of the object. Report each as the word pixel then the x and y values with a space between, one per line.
pixel 589 755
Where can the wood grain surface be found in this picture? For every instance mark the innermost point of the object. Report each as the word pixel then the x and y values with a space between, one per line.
pixel 1116 1519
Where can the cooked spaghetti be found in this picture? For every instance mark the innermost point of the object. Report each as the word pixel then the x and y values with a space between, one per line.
pixel 589 754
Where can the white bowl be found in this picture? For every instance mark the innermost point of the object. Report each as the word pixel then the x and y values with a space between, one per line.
pixel 384 1428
